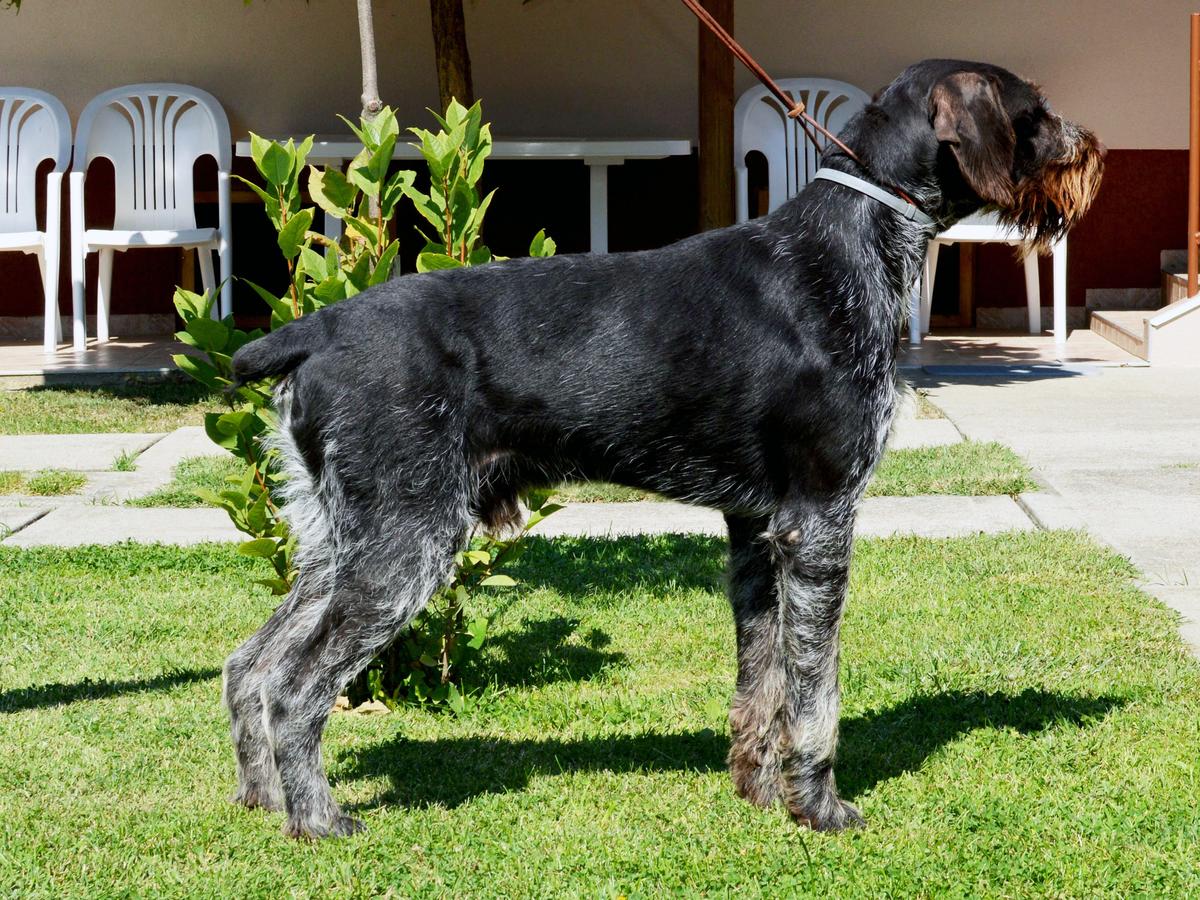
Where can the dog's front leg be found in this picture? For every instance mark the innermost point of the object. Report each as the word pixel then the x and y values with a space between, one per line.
pixel 756 716
pixel 811 549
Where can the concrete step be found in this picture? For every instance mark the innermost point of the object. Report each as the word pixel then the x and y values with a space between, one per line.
pixel 1124 327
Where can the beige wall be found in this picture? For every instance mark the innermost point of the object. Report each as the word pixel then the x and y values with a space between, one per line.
pixel 598 67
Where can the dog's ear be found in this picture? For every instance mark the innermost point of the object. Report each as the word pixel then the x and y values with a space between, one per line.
pixel 966 113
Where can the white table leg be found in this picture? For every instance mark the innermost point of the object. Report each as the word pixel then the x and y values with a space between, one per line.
pixel 1060 291
pixel 598 177
pixel 1033 292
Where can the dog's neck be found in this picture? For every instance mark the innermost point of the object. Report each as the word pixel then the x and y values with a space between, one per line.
pixel 880 251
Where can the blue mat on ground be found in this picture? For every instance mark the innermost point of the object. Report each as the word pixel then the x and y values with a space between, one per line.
pixel 1012 371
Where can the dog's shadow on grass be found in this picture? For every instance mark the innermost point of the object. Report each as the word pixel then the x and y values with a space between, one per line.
pixel 58 694
pixel 542 652
pixel 581 567
pixel 874 747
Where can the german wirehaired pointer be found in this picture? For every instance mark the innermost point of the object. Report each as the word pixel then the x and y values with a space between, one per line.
pixel 750 369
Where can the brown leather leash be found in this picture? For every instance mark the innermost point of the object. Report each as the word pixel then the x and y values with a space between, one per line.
pixel 794 106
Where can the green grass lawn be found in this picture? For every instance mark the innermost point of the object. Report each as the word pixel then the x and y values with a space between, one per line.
pixel 965 468
pixel 94 410
pixel 46 483
pixel 968 467
pixel 208 472
pixel 1018 721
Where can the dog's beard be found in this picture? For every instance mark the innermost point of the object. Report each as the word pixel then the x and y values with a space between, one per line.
pixel 1046 208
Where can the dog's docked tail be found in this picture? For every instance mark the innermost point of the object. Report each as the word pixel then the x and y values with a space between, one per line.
pixel 276 354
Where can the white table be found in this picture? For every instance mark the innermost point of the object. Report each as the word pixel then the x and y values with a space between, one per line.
pixel 597 155
pixel 986 229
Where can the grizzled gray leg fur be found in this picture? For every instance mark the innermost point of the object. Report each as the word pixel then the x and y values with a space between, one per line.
pixel 788 588
pixel 258 782
pixel 322 647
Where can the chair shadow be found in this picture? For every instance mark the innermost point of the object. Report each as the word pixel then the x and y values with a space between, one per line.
pixel 46 695
pixel 875 747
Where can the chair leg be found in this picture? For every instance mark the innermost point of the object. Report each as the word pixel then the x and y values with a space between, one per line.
pixel 78 298
pixel 226 257
pixel 104 294
pixel 914 311
pixel 1033 293
pixel 51 327
pixel 207 280
pixel 931 261
pixel 1060 291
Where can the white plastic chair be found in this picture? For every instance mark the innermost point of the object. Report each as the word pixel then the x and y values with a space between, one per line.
pixel 153 134
pixel 985 228
pixel 34 127
pixel 761 123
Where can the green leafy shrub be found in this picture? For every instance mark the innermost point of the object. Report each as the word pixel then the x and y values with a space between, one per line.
pixel 425 664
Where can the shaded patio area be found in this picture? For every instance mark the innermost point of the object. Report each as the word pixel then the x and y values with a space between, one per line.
pixel 22 363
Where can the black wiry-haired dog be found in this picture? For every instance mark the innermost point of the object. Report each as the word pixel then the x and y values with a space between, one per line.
pixel 750 369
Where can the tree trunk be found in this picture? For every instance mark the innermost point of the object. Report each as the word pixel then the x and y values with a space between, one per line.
pixel 371 104
pixel 715 78
pixel 450 52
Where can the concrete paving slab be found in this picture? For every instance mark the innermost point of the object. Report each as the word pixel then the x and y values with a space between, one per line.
pixel 74 452
pixel 72 526
pixel 180 444
pixel 910 434
pixel 878 517
pixel 14 517
pixel 645 517
pixel 938 516
pixel 1051 512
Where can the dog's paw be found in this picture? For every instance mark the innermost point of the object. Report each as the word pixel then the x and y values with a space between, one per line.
pixel 257 797
pixel 338 826
pixel 755 782
pixel 833 815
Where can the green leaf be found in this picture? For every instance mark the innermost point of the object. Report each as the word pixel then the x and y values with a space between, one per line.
pixel 331 190
pixel 542 245
pixel 276 163
pixel 218 435
pixel 312 263
pixel 278 586
pixel 256 515
pixel 455 699
pixel 331 290
pixel 498 581
pixel 433 262
pixel 292 236
pixel 208 496
pixel 359 174
pixel 363 229
pixel 210 335
pixel 261 547
pixel 358 275
pixel 282 307
pixel 383 268
pixel 199 370
pixel 479 256
pixel 190 305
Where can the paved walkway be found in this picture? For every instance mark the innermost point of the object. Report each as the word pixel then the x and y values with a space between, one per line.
pixel 96 516
pixel 1119 450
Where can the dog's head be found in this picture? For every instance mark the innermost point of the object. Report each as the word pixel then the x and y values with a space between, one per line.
pixel 993 142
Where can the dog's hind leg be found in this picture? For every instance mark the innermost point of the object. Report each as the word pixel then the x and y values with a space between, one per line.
pixel 756 716
pixel 258 782
pixel 377 589
pixel 812 545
